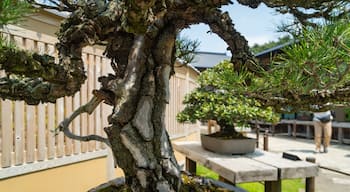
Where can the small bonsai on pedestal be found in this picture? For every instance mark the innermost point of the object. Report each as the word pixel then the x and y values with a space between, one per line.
pixel 221 96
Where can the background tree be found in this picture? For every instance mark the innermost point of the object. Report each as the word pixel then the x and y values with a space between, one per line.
pixel 185 49
pixel 256 48
pixel 139 37
pixel 12 11
pixel 214 99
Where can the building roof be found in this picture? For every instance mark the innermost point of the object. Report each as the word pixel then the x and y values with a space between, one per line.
pixel 273 50
pixel 208 59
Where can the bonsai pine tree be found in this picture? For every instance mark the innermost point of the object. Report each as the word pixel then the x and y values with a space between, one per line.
pixel 220 96
pixel 310 75
pixel 139 38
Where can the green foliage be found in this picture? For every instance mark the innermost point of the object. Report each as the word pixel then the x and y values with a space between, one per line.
pixel 317 64
pixel 319 61
pixel 256 48
pixel 185 49
pixel 221 97
pixel 11 11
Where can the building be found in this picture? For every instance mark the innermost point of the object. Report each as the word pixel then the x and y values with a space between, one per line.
pixel 204 60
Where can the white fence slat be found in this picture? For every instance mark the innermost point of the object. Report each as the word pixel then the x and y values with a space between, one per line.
pixel 68 104
pixel 19 41
pixel 59 118
pixel 30 133
pixel 41 120
pixel 6 133
pixel 19 132
pixel 98 122
pixel 83 101
pixel 51 125
pixel 76 124
pixel 91 87
pixel 106 110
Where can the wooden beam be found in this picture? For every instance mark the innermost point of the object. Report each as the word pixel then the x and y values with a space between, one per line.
pixel 273 186
pixel 310 181
pixel 190 166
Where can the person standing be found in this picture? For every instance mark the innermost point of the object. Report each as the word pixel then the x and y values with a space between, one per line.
pixel 322 123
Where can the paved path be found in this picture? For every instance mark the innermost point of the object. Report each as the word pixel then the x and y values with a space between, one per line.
pixel 335 173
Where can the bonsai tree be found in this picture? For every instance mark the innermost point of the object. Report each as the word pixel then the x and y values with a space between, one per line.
pixel 220 96
pixel 139 38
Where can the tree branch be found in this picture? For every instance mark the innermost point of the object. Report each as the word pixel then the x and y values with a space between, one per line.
pixel 32 65
pixel 37 78
pixel 238 45
pixel 32 91
pixel 87 108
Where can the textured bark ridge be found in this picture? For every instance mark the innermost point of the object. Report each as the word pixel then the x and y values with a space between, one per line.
pixel 138 132
pixel 139 37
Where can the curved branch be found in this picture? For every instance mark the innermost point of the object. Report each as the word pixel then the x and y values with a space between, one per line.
pixel 71 135
pixel 87 108
pixel 221 24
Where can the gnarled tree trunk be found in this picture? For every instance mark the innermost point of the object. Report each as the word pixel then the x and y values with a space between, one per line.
pixel 137 133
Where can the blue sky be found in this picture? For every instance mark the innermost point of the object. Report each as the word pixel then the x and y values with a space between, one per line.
pixel 257 25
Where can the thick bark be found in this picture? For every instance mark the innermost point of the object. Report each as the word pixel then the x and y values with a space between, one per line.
pixel 137 135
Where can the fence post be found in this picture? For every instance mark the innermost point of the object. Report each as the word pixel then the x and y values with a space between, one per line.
pixel 295 129
pixel 266 141
pixel 289 130
pixel 308 132
pixel 340 135
pixel 257 127
pixel 310 181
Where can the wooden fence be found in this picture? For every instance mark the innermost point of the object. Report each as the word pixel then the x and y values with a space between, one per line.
pixel 27 139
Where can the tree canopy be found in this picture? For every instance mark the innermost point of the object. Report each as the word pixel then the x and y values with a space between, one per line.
pixel 312 74
pixel 217 98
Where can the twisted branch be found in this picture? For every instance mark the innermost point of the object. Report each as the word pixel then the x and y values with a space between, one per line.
pixel 87 108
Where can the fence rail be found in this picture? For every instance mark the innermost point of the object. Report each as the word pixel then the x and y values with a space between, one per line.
pixel 294 127
pixel 27 139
